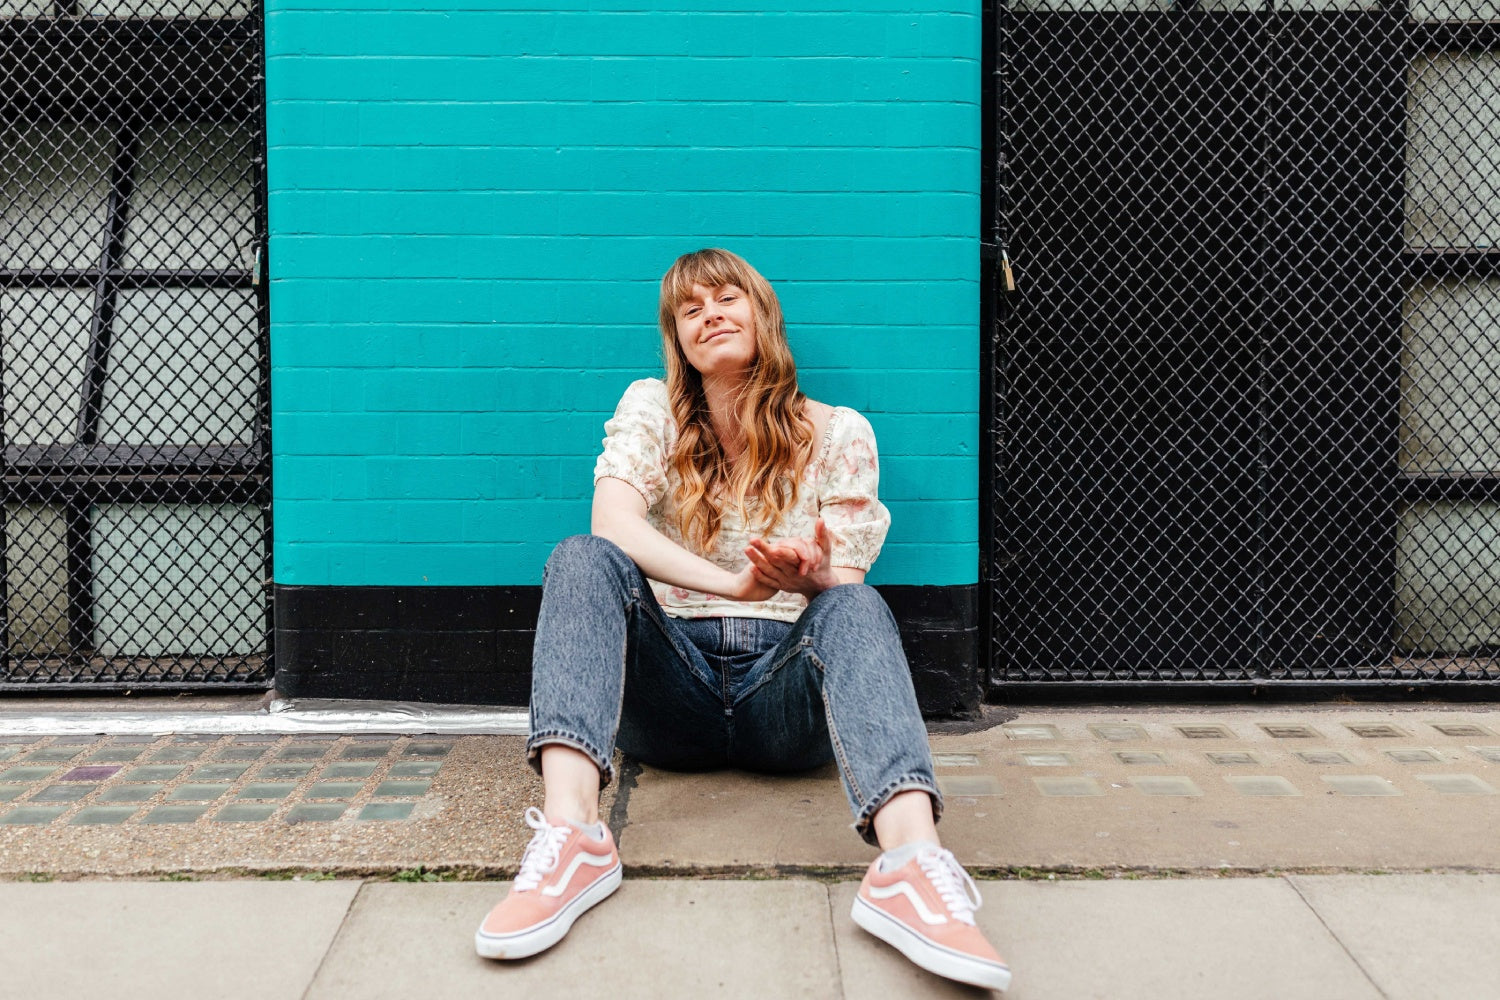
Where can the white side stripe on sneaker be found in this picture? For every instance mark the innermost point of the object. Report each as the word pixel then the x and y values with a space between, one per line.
pixel 581 858
pixel 902 888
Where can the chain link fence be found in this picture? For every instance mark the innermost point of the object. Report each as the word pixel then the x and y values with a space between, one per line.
pixel 1246 388
pixel 136 516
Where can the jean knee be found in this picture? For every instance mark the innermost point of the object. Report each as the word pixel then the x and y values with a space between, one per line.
pixel 587 553
pixel 856 602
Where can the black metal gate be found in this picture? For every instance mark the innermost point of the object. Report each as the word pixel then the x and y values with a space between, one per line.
pixel 136 517
pixel 1245 391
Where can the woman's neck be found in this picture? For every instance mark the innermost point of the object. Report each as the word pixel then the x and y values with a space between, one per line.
pixel 722 395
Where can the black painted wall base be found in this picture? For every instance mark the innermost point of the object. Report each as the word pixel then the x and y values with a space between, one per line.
pixel 472 645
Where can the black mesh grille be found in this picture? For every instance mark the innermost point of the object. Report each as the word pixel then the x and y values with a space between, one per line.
pixel 1245 389
pixel 135 370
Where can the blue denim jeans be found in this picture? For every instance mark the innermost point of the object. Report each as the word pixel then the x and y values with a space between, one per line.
pixel 611 668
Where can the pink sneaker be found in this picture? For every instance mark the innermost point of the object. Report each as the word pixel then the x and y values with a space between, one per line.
pixel 563 872
pixel 925 909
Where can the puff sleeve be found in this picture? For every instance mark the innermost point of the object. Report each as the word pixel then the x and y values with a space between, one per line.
pixel 848 498
pixel 636 440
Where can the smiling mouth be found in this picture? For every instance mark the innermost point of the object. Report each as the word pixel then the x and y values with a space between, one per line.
pixel 717 334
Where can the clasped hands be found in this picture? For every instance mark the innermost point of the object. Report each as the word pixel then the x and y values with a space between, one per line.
pixel 795 565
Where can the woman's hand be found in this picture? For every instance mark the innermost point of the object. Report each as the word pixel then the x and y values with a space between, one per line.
pixel 748 587
pixel 796 565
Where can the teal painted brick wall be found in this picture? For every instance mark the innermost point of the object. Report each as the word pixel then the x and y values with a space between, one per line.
pixel 470 209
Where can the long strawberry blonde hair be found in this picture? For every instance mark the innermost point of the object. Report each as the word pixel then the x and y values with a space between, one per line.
pixel 772 410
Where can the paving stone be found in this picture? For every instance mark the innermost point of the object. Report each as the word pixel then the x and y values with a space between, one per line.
pixel 1119 732
pixel 130 793
pixel 101 815
pixel 1066 787
pixel 98 772
pixel 1039 758
pixel 309 812
pixel 1457 784
pixel 352 769
pixel 1204 732
pixel 1166 785
pixel 1360 784
pixel 179 753
pixel 63 793
pixel 426 749
pixel 968 784
pixel 132 740
pixel 1415 936
pixel 302 751
pixel 10 792
pixel 115 755
pixel 790 954
pixel 1151 758
pixel 174 814
pixel 196 792
pixel 242 752
pixel 257 738
pixel 268 790
pixel 1461 729
pixel 53 755
pixel 1261 784
pixel 938 760
pixel 1414 756
pixel 333 790
pixel 143 940
pixel 197 738
pixel 1232 758
pixel 244 812
pixel 386 811
pixel 1322 757
pixel 32 815
pixel 402 789
pixel 8 752
pixel 153 772
pixel 27 773
pixel 220 772
pixel 1290 731
pixel 1376 730
pixel 1491 754
pixel 1173 939
pixel 274 771
pixel 1029 731
pixel 20 740
pixel 75 741
pixel 365 751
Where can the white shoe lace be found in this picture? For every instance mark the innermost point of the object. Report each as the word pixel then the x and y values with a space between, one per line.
pixel 542 853
pixel 957 889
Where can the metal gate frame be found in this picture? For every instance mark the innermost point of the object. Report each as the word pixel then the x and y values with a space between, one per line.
pixel 74 45
pixel 996 311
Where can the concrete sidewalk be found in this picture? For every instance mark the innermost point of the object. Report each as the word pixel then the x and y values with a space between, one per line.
pixel 1210 851
pixel 1323 937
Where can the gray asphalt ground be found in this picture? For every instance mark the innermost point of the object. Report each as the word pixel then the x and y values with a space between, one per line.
pixel 1161 852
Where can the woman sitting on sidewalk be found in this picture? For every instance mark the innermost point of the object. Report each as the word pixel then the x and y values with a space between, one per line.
pixel 718 617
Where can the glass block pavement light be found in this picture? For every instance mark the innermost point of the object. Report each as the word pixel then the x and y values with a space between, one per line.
pixel 112 781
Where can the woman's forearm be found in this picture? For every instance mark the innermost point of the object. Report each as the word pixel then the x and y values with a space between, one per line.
pixel 658 556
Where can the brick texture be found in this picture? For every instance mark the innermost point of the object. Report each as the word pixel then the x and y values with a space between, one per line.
pixel 470 209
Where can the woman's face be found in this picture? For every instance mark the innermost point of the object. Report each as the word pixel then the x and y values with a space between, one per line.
pixel 716 330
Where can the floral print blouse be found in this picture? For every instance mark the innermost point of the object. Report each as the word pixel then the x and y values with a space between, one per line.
pixel 839 484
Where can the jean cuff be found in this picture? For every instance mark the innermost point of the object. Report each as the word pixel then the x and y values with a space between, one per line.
pixel 603 761
pixel 864 824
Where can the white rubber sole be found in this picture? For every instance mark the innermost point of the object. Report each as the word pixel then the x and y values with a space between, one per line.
pixel 544 935
pixel 934 958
